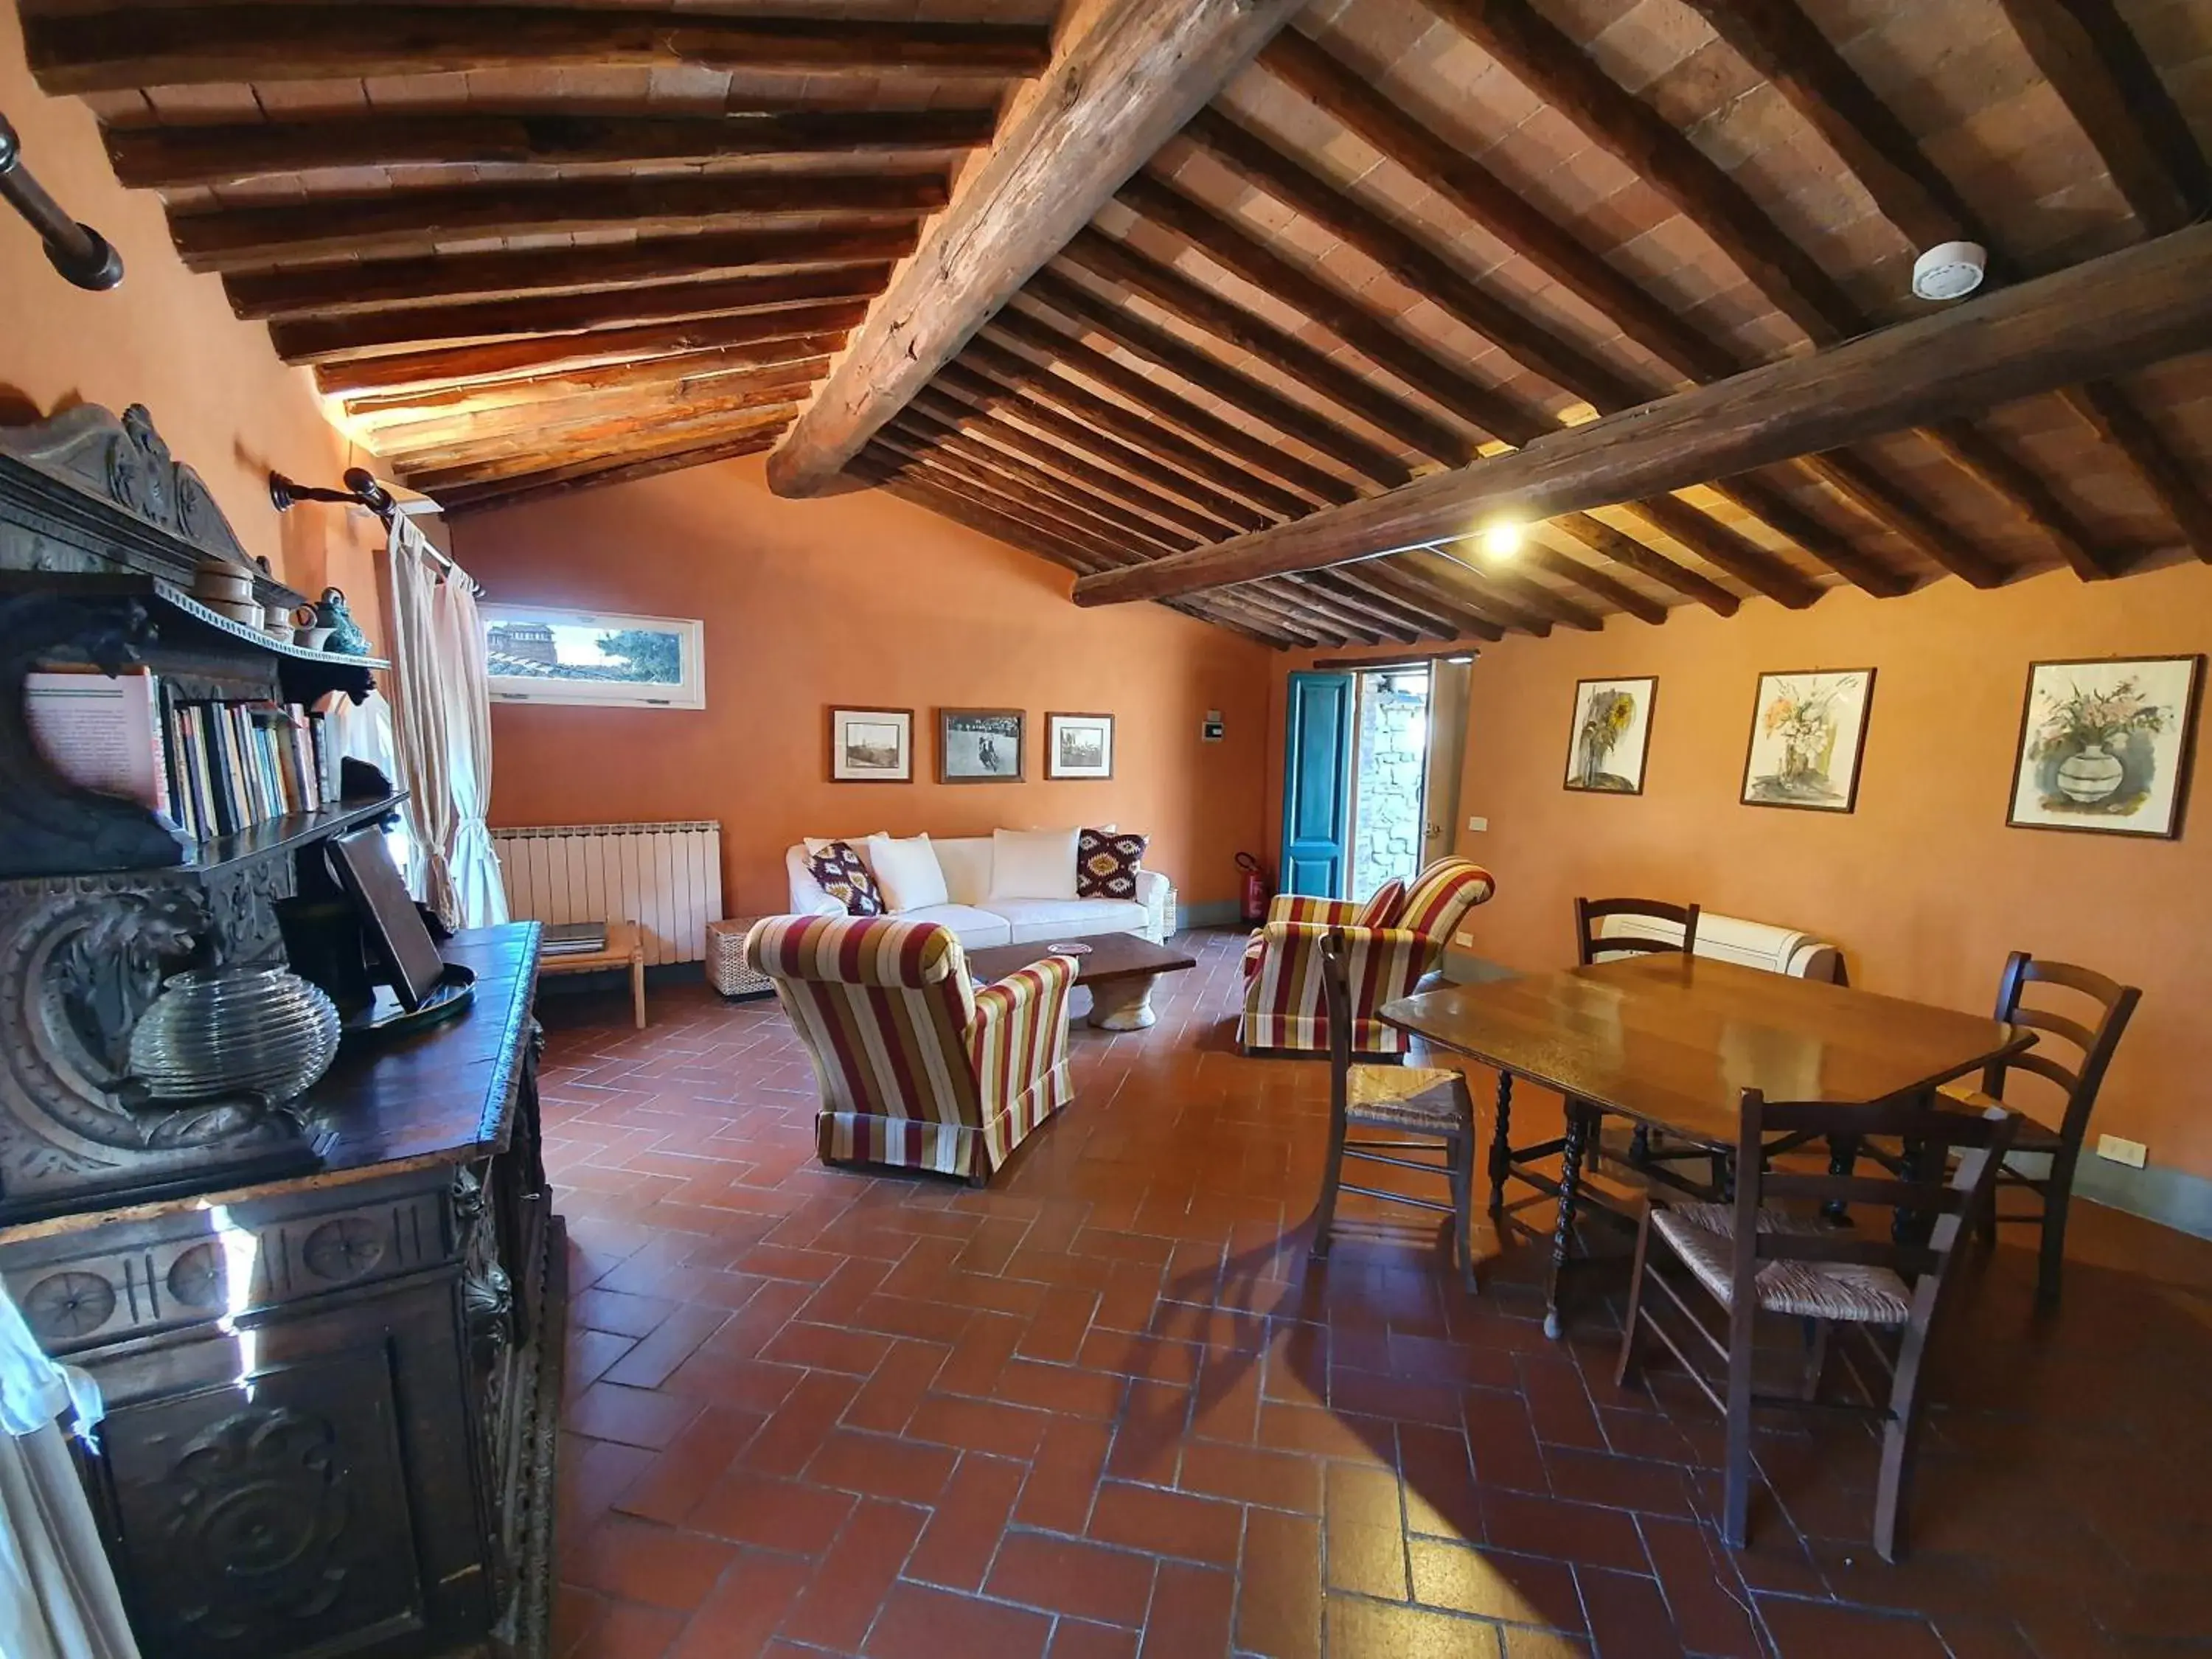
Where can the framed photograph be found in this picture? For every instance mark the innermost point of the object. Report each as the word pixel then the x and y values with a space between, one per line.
pixel 534 653
pixel 1807 735
pixel 872 745
pixel 2104 745
pixel 1078 745
pixel 1611 737
pixel 980 745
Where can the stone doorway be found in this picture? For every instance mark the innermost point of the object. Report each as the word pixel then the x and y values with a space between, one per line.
pixel 1389 775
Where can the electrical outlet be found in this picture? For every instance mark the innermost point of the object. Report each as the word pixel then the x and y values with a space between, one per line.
pixel 2133 1153
pixel 1478 823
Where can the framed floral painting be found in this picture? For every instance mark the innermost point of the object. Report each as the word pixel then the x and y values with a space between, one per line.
pixel 1611 738
pixel 1808 737
pixel 2104 745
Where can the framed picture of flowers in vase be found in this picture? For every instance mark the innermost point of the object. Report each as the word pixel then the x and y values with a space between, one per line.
pixel 2104 745
pixel 1807 738
pixel 1612 736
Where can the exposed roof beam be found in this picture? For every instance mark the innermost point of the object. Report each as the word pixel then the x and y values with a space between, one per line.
pixel 580 426
pixel 167 157
pixel 383 410
pixel 2108 83
pixel 1920 529
pixel 969 457
pixel 1724 550
pixel 1988 464
pixel 764 330
pixel 330 290
pixel 309 339
pixel 2114 416
pixel 2107 316
pixel 591 475
pixel 411 221
pixel 1516 600
pixel 1624 549
pixel 782 383
pixel 1391 577
pixel 663 439
pixel 117 49
pixel 1619 594
pixel 1261 401
pixel 1762 500
pixel 1116 94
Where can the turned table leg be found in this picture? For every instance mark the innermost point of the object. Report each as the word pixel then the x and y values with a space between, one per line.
pixel 1579 1119
pixel 1501 1147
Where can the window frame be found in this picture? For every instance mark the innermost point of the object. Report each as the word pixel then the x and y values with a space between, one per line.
pixel 689 692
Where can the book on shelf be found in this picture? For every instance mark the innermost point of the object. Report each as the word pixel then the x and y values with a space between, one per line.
pixel 207 767
pixel 573 939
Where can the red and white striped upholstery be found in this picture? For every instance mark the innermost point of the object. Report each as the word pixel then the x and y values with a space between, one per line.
pixel 1283 1005
pixel 918 1067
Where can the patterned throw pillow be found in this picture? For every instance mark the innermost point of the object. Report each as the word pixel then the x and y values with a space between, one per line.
pixel 839 871
pixel 1106 864
pixel 1380 910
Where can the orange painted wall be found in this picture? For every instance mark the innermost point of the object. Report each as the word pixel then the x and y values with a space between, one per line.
pixel 166 338
pixel 862 599
pixel 1924 886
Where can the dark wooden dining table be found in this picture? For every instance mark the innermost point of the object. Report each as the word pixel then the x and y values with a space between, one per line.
pixel 1669 1042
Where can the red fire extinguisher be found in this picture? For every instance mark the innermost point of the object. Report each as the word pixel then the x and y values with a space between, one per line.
pixel 1256 889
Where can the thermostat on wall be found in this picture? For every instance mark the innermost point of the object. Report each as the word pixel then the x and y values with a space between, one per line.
pixel 1210 729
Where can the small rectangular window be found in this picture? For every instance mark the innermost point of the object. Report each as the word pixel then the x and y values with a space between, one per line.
pixel 534 653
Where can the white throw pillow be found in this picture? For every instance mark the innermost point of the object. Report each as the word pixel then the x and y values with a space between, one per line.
pixel 1033 864
pixel 907 872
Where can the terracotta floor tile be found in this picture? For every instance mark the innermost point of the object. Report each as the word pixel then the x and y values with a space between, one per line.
pixel 1064 1575
pixel 812 1411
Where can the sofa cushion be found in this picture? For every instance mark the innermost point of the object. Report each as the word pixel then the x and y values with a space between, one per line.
pixel 839 869
pixel 908 872
pixel 1044 919
pixel 1382 908
pixel 1033 864
pixel 1106 864
pixel 966 862
pixel 976 930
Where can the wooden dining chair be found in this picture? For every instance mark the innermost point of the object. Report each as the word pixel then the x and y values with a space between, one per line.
pixel 1427 1110
pixel 2078 1083
pixel 1591 943
pixel 1748 1257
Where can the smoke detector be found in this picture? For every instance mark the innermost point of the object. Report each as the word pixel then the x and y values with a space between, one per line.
pixel 1950 272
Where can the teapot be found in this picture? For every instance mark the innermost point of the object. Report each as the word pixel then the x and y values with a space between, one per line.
pixel 345 636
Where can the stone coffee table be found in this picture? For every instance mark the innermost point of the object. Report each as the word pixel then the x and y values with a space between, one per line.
pixel 1118 970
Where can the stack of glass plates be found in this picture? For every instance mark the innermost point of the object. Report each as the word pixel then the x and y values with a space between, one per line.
pixel 221 1031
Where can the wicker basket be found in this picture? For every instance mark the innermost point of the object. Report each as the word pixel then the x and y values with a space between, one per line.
pixel 726 967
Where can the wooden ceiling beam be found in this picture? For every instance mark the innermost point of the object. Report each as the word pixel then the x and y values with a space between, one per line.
pixel 1224 512
pixel 1382 615
pixel 2117 97
pixel 2113 416
pixel 1388 576
pixel 171 157
pixel 1494 203
pixel 2107 316
pixel 383 410
pixel 1776 38
pixel 1983 459
pixel 1724 550
pixel 1247 256
pixel 1057 540
pixel 1624 549
pixel 591 440
pixel 930 440
pixel 314 339
pixel 785 383
pixel 589 427
pixel 414 221
pixel 1296 599
pixel 118 48
pixel 1537 53
pixel 330 290
pixel 1114 95
pixel 662 440
pixel 1039 386
pixel 1920 529
pixel 1512 606
pixel 1247 396
pixel 940 409
pixel 758 331
pixel 1537 348
pixel 1619 594
pixel 589 475
pixel 1201 308
pixel 1763 502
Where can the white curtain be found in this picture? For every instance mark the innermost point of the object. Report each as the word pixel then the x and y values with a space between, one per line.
pixel 57 1594
pixel 442 729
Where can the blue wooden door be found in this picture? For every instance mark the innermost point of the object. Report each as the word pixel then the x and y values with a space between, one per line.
pixel 1317 785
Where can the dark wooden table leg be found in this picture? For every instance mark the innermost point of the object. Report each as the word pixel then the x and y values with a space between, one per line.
pixel 1579 1120
pixel 1501 1146
pixel 1842 1154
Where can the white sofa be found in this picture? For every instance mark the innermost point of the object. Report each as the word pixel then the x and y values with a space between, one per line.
pixel 979 921
pixel 1758 944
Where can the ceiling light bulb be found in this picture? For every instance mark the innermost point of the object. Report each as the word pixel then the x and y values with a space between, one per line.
pixel 1502 541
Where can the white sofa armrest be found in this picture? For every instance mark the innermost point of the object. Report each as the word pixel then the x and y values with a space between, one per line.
pixel 1152 891
pixel 807 898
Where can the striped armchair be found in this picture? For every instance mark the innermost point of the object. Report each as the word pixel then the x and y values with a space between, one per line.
pixel 919 1067
pixel 1283 1006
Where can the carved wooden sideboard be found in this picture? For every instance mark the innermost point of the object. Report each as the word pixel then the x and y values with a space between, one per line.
pixel 332 1398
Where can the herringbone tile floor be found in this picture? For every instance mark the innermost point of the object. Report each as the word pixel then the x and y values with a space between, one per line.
pixel 1108 1407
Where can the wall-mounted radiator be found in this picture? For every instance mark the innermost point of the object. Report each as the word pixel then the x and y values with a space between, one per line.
pixel 667 878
